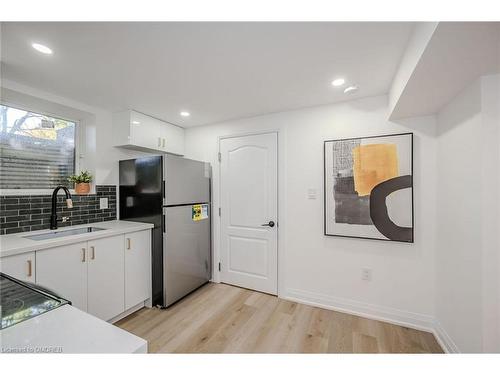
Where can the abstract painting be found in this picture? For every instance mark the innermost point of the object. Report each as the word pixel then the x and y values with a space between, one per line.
pixel 369 187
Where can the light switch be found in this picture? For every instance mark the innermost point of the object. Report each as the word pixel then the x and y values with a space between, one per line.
pixel 311 193
pixel 103 203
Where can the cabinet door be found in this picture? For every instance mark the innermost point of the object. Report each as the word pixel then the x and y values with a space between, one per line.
pixel 172 139
pixel 63 269
pixel 106 277
pixel 145 131
pixel 137 267
pixel 20 266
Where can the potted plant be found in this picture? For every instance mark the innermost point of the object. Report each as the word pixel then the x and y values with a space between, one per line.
pixel 81 181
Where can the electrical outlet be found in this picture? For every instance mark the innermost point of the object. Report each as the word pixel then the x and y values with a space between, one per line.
pixel 103 203
pixel 366 274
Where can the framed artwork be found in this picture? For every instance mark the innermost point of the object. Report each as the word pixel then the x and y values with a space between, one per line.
pixel 369 187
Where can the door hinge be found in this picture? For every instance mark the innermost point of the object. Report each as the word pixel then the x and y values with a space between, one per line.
pixel 220 210
pixel 219 267
pixel 219 157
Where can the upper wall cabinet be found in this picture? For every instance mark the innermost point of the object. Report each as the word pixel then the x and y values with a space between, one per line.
pixel 138 131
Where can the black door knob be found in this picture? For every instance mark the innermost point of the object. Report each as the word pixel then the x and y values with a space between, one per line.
pixel 270 224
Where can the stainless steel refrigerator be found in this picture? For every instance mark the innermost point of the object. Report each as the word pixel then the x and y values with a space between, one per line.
pixel 173 193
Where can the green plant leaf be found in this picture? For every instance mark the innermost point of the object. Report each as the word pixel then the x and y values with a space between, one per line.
pixel 82 177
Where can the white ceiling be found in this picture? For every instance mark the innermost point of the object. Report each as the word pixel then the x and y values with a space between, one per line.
pixel 216 71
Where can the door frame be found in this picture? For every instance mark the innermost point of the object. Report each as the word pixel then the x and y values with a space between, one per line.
pixel 281 168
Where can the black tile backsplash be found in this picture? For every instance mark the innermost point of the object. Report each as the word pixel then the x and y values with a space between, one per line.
pixel 24 213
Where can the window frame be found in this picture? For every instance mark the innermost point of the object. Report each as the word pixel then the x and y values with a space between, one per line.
pixel 78 156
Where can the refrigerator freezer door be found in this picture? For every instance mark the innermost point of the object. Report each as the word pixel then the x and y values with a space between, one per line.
pixel 186 181
pixel 141 190
pixel 186 258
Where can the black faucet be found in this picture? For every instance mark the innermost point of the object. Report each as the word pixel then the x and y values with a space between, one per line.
pixel 53 214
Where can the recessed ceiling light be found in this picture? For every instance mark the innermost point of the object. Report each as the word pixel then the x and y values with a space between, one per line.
pixel 135 122
pixel 41 48
pixel 338 82
pixel 350 89
pixel 185 114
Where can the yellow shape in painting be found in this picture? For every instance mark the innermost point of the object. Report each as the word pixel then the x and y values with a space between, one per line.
pixel 373 164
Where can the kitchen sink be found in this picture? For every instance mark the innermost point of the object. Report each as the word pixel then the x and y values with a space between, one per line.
pixel 63 233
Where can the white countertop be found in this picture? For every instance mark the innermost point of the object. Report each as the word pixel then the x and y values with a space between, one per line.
pixel 68 330
pixel 12 244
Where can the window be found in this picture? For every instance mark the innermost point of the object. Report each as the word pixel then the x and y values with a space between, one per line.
pixel 36 151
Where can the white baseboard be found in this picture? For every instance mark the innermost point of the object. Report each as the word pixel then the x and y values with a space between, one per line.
pixel 444 339
pixel 385 314
pixel 365 310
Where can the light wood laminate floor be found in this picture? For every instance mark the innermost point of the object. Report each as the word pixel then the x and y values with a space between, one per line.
pixel 220 318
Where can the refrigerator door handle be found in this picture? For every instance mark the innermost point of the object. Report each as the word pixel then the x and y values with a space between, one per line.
pixel 164 220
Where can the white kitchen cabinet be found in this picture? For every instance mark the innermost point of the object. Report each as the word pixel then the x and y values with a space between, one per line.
pixel 144 131
pixel 63 269
pixel 106 277
pixel 137 267
pixel 172 138
pixel 138 131
pixel 20 266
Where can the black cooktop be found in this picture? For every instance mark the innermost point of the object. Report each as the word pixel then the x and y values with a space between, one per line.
pixel 20 301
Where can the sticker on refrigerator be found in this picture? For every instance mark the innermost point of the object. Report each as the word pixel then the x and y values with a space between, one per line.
pixel 199 212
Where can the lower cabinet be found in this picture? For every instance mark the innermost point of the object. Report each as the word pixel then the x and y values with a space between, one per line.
pixel 104 277
pixel 63 269
pixel 20 266
pixel 106 284
pixel 137 267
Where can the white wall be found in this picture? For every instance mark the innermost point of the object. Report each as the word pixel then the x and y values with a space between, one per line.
pixel 467 259
pixel 458 252
pixel 327 270
pixel 490 98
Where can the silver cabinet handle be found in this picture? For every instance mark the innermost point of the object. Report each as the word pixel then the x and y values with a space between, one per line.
pixel 159 141
pixel 92 255
pixel 128 244
pixel 29 268
pixel 83 255
pixel 163 143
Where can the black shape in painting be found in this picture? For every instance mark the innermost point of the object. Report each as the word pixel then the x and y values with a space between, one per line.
pixel 378 209
pixel 350 208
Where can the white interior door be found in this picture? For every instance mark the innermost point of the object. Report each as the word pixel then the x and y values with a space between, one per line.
pixel 249 210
